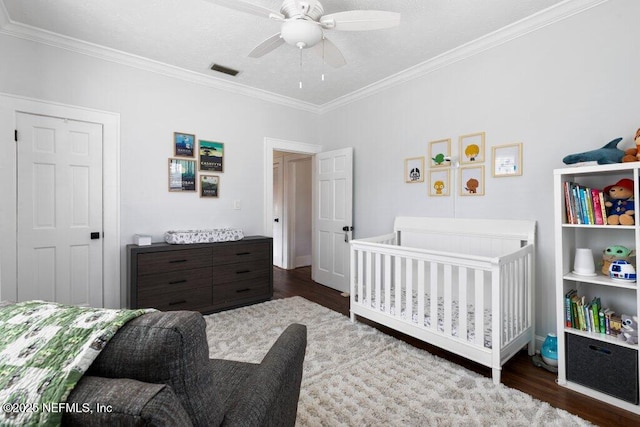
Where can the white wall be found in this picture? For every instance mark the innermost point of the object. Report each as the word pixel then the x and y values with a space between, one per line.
pixel 568 87
pixel 151 108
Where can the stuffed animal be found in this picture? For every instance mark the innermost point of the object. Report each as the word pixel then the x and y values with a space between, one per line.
pixel 616 253
pixel 633 154
pixel 620 206
pixel 629 331
pixel 609 153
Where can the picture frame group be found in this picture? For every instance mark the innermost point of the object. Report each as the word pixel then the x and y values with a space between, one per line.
pixel 192 165
pixel 469 161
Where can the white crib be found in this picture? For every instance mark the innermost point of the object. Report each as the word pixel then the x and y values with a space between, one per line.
pixel 419 279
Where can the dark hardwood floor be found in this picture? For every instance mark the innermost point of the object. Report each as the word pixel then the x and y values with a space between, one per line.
pixel 518 373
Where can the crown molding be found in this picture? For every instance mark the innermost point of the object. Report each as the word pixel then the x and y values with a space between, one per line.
pixel 551 15
pixel 559 12
pixel 18 30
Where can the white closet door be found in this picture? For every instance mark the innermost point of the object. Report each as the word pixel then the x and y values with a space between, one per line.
pixel 59 244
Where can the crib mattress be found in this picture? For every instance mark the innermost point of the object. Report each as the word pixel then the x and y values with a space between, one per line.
pixel 471 329
pixel 186 237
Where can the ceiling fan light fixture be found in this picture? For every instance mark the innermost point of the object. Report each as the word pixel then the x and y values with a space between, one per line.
pixel 301 33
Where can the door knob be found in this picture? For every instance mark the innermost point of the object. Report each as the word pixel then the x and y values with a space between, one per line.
pixel 276 220
pixel 95 235
pixel 347 228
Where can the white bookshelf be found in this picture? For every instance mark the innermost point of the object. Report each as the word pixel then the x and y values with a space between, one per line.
pixel 621 297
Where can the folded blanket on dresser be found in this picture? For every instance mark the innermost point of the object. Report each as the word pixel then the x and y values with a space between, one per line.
pixel 45 348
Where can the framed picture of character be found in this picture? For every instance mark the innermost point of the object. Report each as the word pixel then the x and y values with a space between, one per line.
pixel 414 170
pixel 439 152
pixel 472 181
pixel 472 148
pixel 439 182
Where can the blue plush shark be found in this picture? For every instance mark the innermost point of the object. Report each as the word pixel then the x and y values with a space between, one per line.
pixel 605 155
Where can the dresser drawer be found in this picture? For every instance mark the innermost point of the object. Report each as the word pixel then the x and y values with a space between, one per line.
pixel 181 279
pixel 160 262
pixel 178 299
pixel 239 291
pixel 231 254
pixel 252 270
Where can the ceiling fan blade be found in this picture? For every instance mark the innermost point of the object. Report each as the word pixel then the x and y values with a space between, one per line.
pixel 360 20
pixel 330 53
pixel 247 7
pixel 267 46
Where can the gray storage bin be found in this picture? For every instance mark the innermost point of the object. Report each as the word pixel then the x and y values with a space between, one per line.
pixel 609 368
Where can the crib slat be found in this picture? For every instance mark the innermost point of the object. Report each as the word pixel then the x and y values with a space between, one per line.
pixel 360 276
pixel 420 292
pixel 479 309
pixel 507 275
pixel 462 309
pixel 433 295
pixel 387 283
pixel 369 278
pixel 377 297
pixel 447 300
pixel 409 290
pixel 398 287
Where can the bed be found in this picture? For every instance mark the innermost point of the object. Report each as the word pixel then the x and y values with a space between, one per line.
pixel 464 285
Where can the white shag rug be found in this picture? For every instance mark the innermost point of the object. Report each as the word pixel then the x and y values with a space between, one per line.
pixel 355 375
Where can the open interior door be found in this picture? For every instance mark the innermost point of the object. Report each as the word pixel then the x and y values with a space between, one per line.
pixel 333 217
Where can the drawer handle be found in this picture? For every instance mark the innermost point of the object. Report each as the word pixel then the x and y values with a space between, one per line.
pixel 182 301
pixel 243 271
pixel 175 282
pixel 175 261
pixel 599 349
pixel 243 290
pixel 243 253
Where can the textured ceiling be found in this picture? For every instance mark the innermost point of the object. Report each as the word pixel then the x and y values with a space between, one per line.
pixel 194 34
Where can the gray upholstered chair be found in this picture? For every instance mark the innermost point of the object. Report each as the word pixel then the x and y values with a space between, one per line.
pixel 156 371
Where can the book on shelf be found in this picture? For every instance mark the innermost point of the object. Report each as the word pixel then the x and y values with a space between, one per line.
pixel 589 316
pixel 584 205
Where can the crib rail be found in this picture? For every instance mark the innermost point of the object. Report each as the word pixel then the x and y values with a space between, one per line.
pixel 434 291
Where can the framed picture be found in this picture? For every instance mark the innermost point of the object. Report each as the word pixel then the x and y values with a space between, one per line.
pixel 472 181
pixel 472 148
pixel 182 175
pixel 211 156
pixel 439 151
pixel 414 170
pixel 183 144
pixel 209 185
pixel 507 160
pixel 439 182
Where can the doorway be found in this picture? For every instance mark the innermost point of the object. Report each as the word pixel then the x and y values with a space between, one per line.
pixel 331 207
pixel 272 147
pixel 292 215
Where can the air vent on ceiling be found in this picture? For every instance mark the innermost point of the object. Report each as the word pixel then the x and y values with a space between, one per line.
pixel 226 70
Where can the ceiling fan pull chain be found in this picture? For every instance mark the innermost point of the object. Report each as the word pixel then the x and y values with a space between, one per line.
pixel 323 62
pixel 300 67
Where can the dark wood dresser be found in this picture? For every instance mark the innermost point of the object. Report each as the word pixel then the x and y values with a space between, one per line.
pixel 205 277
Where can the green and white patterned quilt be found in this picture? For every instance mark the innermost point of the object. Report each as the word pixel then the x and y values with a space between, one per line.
pixel 45 348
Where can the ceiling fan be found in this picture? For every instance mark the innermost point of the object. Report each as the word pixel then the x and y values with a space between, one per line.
pixel 304 22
